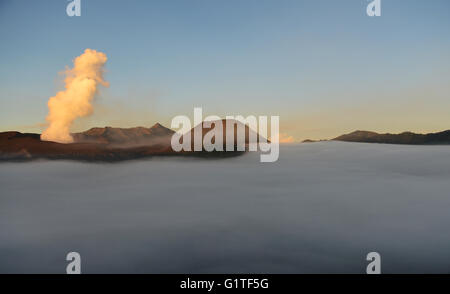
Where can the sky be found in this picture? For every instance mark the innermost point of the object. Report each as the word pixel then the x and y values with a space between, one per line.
pixel 323 66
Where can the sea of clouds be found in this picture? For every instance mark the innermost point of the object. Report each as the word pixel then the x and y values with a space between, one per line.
pixel 319 209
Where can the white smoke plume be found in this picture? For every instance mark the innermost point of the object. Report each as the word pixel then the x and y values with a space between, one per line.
pixel 81 85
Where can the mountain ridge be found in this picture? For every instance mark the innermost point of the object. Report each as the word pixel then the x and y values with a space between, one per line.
pixel 98 144
pixel 129 136
pixel 405 138
pixel 117 144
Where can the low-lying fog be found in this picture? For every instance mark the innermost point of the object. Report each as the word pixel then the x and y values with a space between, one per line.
pixel 320 209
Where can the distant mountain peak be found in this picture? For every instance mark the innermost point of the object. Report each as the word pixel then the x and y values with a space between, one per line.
pixel 158 125
pixel 134 136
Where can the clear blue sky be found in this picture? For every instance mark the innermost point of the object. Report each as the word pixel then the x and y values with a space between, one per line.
pixel 324 66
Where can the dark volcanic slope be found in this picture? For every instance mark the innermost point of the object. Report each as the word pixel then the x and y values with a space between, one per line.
pixel 18 146
pixel 403 138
